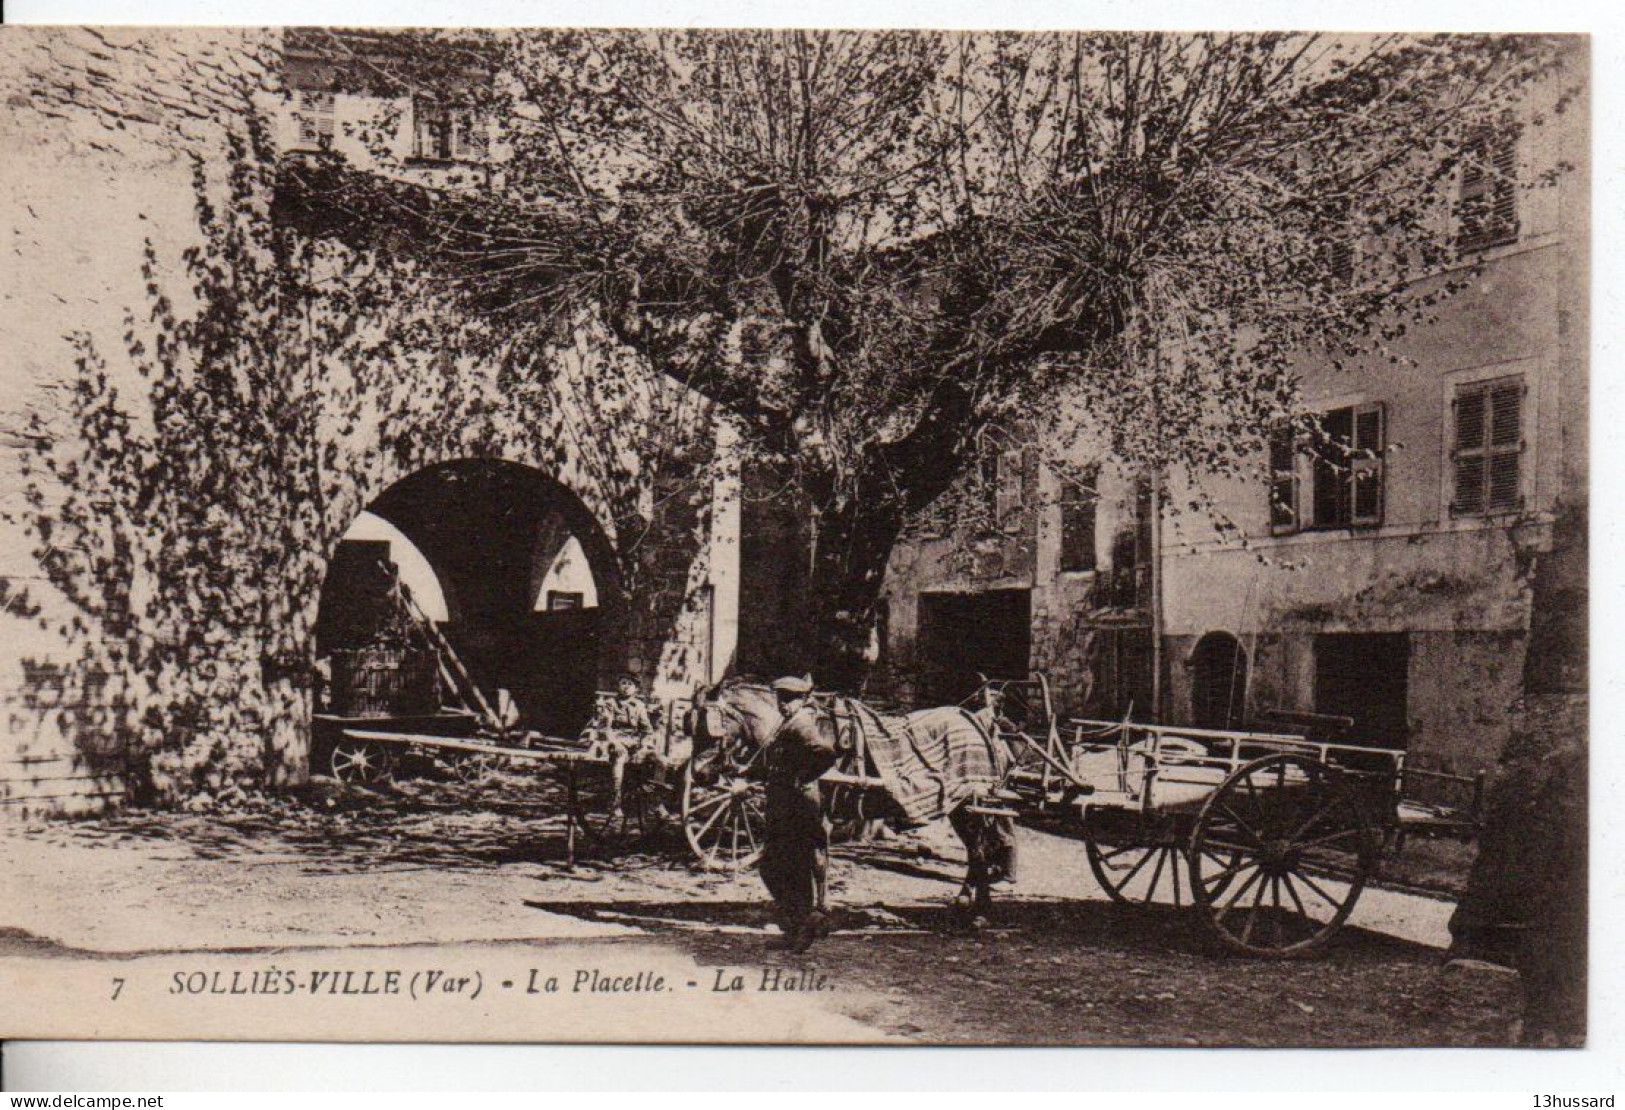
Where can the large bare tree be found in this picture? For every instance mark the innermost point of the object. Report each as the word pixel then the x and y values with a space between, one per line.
pixel 924 234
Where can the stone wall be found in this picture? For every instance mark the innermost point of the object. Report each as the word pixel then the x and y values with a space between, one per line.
pixel 109 133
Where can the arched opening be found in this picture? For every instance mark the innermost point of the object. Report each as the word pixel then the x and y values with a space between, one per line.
pixel 1218 682
pixel 506 564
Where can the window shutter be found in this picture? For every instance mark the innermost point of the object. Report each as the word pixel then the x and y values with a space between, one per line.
pixel 1504 206
pixel 1470 484
pixel 1503 482
pixel 1470 423
pixel 1366 465
pixel 1008 495
pixel 1487 205
pixel 1283 480
pixel 1506 415
pixel 1488 453
pixel 470 143
pixel 315 117
pixel 1506 442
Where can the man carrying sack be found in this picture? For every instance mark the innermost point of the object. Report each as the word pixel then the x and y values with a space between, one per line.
pixel 795 855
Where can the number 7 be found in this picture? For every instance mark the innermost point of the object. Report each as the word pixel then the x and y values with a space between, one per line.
pixel 118 986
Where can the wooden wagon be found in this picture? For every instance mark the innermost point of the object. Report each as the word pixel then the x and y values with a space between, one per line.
pixel 1271 837
pixel 413 700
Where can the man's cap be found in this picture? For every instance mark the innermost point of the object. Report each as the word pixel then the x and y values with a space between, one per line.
pixel 792 684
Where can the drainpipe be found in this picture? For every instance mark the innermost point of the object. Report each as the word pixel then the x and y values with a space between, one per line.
pixel 1156 595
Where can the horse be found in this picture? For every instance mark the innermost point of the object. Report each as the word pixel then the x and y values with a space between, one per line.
pixel 743 714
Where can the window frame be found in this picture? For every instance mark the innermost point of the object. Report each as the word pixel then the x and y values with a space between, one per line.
pixel 1287 515
pixel 1080 495
pixel 1001 474
pixel 458 133
pixel 1488 450
pixel 1284 485
pixel 1490 168
pixel 314 113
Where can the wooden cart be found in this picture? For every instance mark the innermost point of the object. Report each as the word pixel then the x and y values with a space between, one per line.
pixel 1270 836
pixel 616 788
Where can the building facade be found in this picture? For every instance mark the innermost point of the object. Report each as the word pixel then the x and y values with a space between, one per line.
pixel 1385 578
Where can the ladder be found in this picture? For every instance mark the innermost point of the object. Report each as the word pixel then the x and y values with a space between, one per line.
pixel 452 670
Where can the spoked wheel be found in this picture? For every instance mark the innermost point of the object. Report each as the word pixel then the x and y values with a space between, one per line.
pixel 1279 855
pixel 608 826
pixel 724 810
pixel 1137 874
pixel 1140 876
pixel 362 763
pixel 466 767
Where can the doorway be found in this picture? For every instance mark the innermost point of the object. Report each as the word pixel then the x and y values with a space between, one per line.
pixel 1365 676
pixel 966 636
pixel 1218 682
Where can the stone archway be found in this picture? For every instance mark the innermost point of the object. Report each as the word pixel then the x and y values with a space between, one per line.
pixel 492 530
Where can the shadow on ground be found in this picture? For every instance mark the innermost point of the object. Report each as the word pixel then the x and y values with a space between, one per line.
pixel 331 828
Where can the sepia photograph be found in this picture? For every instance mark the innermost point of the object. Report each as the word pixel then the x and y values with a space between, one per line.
pixel 910 537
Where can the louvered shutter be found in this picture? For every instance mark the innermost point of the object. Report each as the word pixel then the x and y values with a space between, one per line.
pixel 470 144
pixel 315 117
pixel 1505 447
pixel 1487 206
pixel 1487 459
pixel 1366 465
pixel 1283 479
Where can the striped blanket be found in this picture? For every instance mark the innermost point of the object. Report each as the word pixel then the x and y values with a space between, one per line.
pixel 933 760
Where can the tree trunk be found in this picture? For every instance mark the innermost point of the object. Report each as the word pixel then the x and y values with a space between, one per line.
pixel 851 545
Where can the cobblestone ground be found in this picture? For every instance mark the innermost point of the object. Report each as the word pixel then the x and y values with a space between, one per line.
pixel 457 866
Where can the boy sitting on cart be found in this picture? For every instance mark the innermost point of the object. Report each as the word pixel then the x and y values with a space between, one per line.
pixel 623 726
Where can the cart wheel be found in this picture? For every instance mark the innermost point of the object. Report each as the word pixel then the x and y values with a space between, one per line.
pixel 1137 875
pixel 469 767
pixel 362 763
pixel 638 817
pixel 1279 855
pixel 724 811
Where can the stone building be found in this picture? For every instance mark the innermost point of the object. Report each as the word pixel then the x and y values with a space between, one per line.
pixel 1391 584
pixel 113 135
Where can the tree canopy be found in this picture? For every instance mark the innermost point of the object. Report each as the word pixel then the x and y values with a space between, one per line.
pixel 914 235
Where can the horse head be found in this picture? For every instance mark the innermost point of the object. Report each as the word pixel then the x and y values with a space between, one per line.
pixel 736 711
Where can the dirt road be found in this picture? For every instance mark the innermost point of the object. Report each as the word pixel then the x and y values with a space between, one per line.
pixel 472 878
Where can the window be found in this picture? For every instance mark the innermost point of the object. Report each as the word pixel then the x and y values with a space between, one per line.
pixel 1347 468
pixel 1487 458
pixel 1346 472
pixel 1003 469
pixel 1284 479
pixel 1078 498
pixel 444 134
pixel 315 116
pixel 1487 209
pixel 1339 246
pixel 560 600
pixel 757 342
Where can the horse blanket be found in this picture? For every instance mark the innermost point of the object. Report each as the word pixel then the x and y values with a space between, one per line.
pixel 933 760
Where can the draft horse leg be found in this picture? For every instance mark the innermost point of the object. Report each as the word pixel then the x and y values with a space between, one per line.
pixel 974 902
